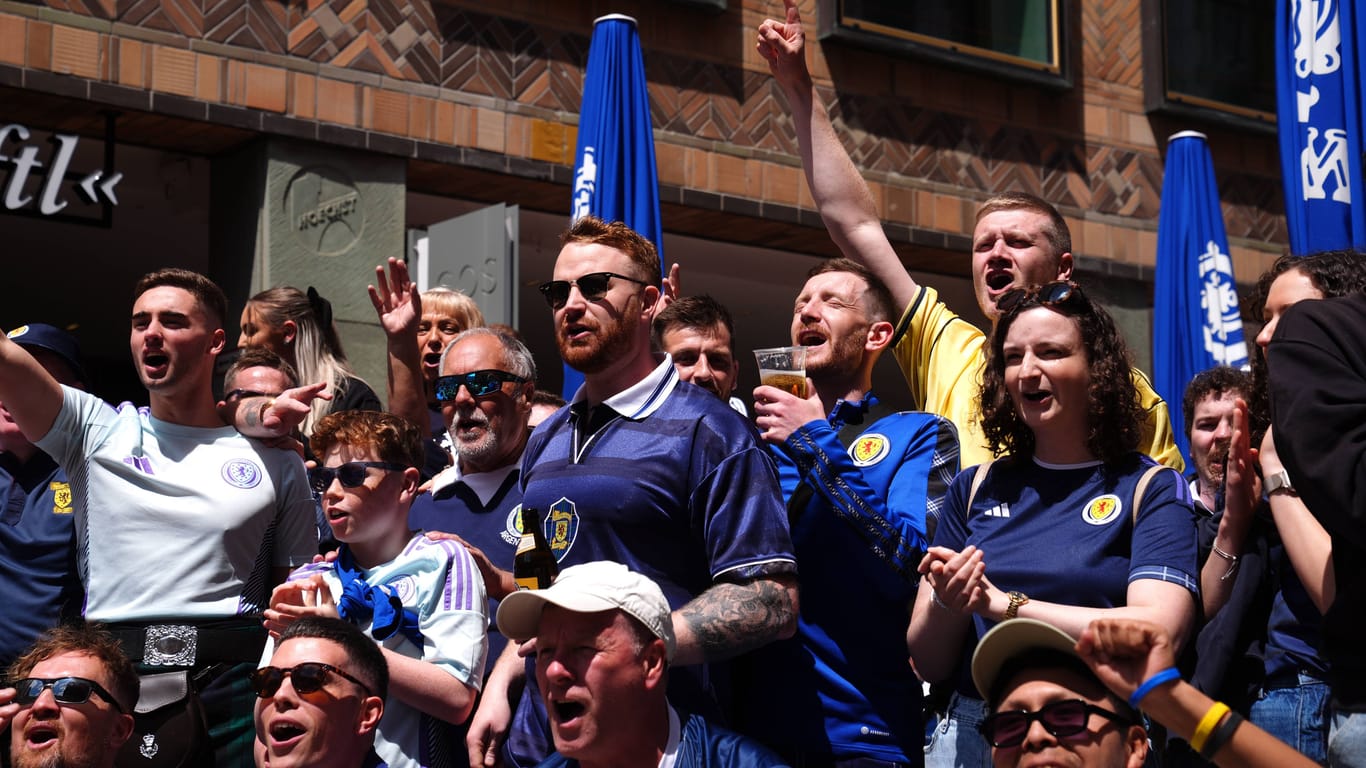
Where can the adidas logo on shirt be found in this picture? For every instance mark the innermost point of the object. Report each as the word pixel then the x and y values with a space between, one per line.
pixel 1000 510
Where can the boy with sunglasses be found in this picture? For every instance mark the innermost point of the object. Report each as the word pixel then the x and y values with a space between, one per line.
pixel 69 700
pixel 328 713
pixel 1047 706
pixel 421 600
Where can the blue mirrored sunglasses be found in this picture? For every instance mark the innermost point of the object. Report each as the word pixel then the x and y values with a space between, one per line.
pixel 479 383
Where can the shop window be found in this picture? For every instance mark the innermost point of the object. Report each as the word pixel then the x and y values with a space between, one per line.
pixel 1021 38
pixel 1211 58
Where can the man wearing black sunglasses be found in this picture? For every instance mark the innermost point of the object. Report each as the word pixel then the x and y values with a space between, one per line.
pixel 638 469
pixel 69 700
pixel 320 700
pixel 485 388
pixel 1018 240
pixel 1047 706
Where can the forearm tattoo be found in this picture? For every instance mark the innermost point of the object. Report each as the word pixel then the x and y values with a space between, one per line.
pixel 729 619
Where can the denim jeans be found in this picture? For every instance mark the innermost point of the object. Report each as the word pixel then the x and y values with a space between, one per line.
pixel 1347 739
pixel 1297 715
pixel 956 742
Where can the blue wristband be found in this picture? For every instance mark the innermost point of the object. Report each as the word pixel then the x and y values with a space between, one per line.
pixel 1165 676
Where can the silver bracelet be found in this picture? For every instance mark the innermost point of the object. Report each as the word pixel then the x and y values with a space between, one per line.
pixel 1232 562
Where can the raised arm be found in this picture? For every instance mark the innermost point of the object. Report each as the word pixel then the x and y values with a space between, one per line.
pixel 729 619
pixel 399 307
pixel 1124 654
pixel 842 196
pixel 30 394
pixel 1220 569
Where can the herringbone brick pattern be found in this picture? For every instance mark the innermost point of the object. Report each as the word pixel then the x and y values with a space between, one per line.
pixel 956 146
pixel 1112 42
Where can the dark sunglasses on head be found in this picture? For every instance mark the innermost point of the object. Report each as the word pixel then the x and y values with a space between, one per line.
pixel 66 690
pixel 308 677
pixel 479 383
pixel 243 394
pixel 1061 718
pixel 351 474
pixel 592 286
pixel 1046 295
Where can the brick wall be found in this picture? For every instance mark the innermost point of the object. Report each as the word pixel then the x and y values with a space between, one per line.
pixel 497 87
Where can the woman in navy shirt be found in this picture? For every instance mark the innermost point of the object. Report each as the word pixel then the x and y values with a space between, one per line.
pixel 1051 531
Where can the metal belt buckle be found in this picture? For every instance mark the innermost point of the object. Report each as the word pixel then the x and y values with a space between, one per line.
pixel 170 645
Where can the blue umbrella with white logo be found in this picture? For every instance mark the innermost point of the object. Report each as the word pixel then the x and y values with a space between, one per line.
pixel 614 166
pixel 1196 324
pixel 1319 77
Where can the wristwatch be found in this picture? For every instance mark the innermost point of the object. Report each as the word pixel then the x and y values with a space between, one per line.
pixel 1017 599
pixel 1279 481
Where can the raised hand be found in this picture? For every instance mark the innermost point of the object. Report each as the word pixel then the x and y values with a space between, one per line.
pixel 396 300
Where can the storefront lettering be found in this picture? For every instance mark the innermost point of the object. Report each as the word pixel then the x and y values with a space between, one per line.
pixel 23 161
pixel 330 211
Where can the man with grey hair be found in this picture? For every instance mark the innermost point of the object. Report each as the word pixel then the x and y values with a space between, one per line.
pixel 485 388
pixel 604 642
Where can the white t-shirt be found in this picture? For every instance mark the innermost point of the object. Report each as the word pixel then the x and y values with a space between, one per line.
pixel 174 521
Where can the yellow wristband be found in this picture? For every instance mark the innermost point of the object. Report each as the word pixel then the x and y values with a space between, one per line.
pixel 1207 725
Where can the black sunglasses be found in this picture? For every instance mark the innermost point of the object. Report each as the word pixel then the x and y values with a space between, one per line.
pixel 592 286
pixel 308 677
pixel 66 690
pixel 242 394
pixel 1061 718
pixel 351 474
pixel 1046 295
pixel 479 383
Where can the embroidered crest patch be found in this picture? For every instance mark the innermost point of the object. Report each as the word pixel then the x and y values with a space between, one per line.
pixel 869 449
pixel 562 527
pixel 1102 509
pixel 242 473
pixel 512 527
pixel 61 497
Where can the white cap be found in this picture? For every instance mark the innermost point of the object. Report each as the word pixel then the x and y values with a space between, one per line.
pixel 591 588
pixel 1010 639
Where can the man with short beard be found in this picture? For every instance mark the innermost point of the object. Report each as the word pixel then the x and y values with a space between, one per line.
pixel 69 700
pixel 696 332
pixel 485 390
pixel 637 469
pixel 863 484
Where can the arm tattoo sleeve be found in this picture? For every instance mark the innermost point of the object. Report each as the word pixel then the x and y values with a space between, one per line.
pixel 729 619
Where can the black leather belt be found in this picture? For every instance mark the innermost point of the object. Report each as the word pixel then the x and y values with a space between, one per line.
pixel 182 644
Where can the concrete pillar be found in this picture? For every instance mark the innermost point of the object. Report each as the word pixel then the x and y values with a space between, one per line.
pixel 294 213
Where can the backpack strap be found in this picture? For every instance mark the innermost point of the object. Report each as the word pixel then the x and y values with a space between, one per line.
pixel 1142 486
pixel 979 477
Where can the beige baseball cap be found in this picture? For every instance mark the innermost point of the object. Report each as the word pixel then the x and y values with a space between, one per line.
pixel 590 588
pixel 1008 640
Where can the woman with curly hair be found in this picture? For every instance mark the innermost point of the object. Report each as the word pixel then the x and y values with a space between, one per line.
pixel 1054 530
pixel 298 327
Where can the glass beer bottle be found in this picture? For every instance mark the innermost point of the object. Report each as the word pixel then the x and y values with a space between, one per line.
pixel 534 566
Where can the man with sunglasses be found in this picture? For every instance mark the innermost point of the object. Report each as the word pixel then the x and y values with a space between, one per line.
pixel 184 524
pixel 1047 706
pixel 485 390
pixel 664 478
pixel 422 601
pixel 1018 240
pixel 68 700
pixel 321 698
